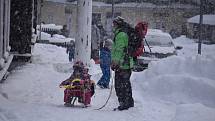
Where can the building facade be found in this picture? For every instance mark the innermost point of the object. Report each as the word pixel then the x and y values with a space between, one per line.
pixel 172 17
pixel 17 20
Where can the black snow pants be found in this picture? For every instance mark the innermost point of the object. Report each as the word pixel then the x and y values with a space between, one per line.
pixel 123 87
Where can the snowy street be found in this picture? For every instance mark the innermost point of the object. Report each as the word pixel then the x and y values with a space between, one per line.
pixel 178 88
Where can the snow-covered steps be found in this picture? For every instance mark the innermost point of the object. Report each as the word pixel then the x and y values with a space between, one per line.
pixel 5 68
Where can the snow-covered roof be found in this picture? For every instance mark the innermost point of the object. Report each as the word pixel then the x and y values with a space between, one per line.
pixel 207 19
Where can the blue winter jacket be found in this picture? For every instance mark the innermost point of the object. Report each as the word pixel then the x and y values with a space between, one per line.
pixel 105 57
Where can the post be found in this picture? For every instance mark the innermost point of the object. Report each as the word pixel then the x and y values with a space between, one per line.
pixel 83 35
pixel 200 27
pixel 40 18
pixel 112 9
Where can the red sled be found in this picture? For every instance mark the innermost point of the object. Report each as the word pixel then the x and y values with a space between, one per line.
pixel 79 90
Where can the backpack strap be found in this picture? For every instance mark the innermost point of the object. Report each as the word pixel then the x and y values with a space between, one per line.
pixel 114 39
pixel 126 48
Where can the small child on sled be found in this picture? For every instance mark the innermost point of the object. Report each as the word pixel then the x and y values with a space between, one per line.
pixel 78 86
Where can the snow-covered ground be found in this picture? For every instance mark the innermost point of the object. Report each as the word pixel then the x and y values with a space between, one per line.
pixel 178 88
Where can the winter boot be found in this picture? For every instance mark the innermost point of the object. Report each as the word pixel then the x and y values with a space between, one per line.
pixel 122 108
pixel 68 104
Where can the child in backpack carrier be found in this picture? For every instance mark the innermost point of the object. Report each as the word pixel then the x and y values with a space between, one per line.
pixel 78 86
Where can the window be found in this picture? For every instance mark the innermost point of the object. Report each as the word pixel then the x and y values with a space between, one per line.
pixel 68 10
pixel 50 19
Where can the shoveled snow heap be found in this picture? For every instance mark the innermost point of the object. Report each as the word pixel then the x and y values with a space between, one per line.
pixel 178 88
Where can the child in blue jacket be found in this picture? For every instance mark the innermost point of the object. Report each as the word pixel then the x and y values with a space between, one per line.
pixel 105 62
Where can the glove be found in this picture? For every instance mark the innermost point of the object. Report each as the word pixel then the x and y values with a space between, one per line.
pixel 114 66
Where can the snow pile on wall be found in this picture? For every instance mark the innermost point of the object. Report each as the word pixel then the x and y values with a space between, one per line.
pixel 42 54
pixel 59 36
pixel 44 36
pixel 50 26
pixel 56 37
pixel 59 39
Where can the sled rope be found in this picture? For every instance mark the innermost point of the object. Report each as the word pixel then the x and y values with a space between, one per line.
pixel 111 89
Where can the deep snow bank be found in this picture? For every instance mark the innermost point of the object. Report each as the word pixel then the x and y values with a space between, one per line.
pixel 180 80
pixel 190 48
pixel 38 81
pixel 189 112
